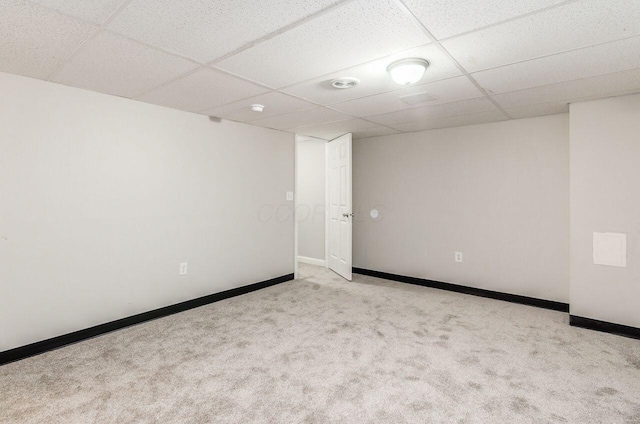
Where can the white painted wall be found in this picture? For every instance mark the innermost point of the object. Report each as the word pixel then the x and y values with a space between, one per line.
pixel 311 198
pixel 605 197
pixel 101 198
pixel 498 192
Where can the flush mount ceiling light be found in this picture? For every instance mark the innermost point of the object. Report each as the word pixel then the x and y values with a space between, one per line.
pixel 408 71
pixel 257 108
pixel 345 82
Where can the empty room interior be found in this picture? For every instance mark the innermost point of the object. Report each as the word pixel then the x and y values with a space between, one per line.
pixel 320 211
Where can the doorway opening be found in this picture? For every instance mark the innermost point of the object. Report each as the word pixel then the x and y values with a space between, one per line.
pixel 310 202
pixel 323 205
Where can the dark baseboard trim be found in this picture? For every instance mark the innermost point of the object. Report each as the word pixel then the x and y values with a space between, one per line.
pixel 513 298
pixel 36 348
pixel 604 326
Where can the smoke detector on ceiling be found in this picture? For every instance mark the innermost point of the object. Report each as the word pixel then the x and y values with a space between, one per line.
pixel 257 108
pixel 345 82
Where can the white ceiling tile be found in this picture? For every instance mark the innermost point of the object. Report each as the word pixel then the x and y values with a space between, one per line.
pixel 453 121
pixel 205 30
pixel 445 91
pixel 116 65
pixel 571 26
pixel 204 89
pixel 350 35
pixel 594 87
pixel 465 107
pixel 301 118
pixel 96 11
pixel 374 132
pixel 275 104
pixel 445 18
pixel 568 51
pixel 606 95
pixel 34 41
pixel 331 130
pixel 374 77
pixel 596 60
pixel 538 110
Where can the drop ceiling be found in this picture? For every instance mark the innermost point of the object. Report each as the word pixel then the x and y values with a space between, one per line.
pixel 490 60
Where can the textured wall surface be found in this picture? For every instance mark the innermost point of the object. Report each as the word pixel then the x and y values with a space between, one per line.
pixel 101 199
pixel 498 193
pixel 605 197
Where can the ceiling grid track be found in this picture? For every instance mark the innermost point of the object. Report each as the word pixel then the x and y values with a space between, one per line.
pixel 211 64
pixel 86 42
pixel 444 51
pixel 558 53
pixel 514 18
pixel 509 62
pixel 281 31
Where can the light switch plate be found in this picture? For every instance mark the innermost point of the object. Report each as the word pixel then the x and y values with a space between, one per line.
pixel 610 249
pixel 289 195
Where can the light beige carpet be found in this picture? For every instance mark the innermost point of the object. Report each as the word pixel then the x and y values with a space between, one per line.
pixel 323 350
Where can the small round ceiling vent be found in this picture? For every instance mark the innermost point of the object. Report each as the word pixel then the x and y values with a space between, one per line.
pixel 346 82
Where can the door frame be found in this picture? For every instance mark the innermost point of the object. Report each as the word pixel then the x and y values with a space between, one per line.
pixel 301 139
pixel 327 205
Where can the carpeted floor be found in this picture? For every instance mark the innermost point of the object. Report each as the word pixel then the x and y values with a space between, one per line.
pixel 323 350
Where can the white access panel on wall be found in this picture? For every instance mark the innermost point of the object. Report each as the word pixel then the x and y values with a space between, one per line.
pixel 610 249
pixel 340 205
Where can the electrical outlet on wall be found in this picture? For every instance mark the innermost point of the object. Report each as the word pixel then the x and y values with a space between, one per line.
pixel 458 256
pixel 183 268
pixel 289 195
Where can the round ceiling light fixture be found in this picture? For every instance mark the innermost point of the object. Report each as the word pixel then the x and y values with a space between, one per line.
pixel 257 108
pixel 408 71
pixel 345 82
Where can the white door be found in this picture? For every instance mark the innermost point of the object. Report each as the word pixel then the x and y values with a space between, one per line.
pixel 340 207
